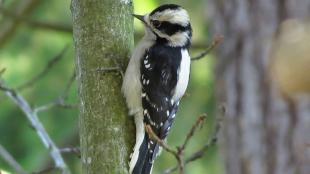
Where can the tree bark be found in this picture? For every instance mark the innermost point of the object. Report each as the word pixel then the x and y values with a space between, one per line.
pixel 103 37
pixel 264 132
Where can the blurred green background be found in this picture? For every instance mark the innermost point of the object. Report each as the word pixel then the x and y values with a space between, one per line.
pixel 30 48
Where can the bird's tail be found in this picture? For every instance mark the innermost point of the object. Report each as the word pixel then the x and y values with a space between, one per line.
pixel 147 153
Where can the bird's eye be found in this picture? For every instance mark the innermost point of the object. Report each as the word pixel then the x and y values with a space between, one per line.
pixel 156 23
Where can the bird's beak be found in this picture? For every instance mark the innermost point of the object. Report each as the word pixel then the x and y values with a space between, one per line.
pixel 140 17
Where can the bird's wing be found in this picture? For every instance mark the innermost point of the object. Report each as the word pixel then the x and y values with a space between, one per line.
pixel 159 76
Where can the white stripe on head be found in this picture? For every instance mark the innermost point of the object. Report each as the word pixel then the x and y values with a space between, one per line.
pixel 175 16
pixel 178 39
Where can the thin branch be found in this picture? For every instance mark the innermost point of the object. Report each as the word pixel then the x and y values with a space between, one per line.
pixel 37 24
pixel 166 147
pixel 45 71
pixel 65 93
pixel 109 69
pixel 178 153
pixel 53 105
pixel 60 101
pixel 190 134
pixel 119 67
pixel 162 143
pixel 39 128
pixel 75 150
pixel 11 161
pixel 200 153
pixel 215 42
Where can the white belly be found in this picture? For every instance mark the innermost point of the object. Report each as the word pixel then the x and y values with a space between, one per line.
pixel 131 83
pixel 183 76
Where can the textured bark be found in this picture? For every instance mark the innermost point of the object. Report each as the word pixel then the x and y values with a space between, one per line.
pixel 103 36
pixel 264 133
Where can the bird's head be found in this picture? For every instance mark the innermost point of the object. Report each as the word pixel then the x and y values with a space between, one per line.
pixel 169 24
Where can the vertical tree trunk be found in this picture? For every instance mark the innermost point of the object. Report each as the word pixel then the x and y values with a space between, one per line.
pixel 264 133
pixel 103 36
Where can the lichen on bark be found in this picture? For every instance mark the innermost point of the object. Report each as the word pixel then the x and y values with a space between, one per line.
pixel 103 37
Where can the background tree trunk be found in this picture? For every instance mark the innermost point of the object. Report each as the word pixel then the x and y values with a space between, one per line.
pixel 103 36
pixel 264 133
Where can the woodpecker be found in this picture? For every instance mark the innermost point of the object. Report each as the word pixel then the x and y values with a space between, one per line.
pixel 156 79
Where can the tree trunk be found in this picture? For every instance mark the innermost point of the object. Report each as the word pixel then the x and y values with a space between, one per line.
pixel 103 36
pixel 264 132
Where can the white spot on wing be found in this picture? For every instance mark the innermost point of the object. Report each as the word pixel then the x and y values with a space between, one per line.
pixel 173 115
pixel 147 66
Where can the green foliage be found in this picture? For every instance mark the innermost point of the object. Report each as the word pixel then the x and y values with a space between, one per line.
pixel 29 50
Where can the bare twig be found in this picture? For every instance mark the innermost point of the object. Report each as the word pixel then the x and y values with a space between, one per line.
pixel 166 147
pixel 75 150
pixel 65 93
pixel 178 153
pixel 215 42
pixel 57 103
pixel 11 161
pixel 37 24
pixel 60 101
pixel 39 128
pixel 199 153
pixel 110 69
pixel 45 71
pixel 161 142
pixel 119 67
pixel 190 134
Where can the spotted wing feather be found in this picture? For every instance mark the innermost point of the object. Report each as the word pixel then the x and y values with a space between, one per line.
pixel 159 109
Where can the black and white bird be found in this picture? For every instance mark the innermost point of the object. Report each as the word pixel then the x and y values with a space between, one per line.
pixel 156 79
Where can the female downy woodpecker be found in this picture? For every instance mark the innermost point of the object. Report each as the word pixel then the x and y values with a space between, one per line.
pixel 156 78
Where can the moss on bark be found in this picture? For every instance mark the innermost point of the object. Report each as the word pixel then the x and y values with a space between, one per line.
pixel 103 37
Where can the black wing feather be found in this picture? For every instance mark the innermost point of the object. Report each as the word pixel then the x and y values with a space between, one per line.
pixel 159 76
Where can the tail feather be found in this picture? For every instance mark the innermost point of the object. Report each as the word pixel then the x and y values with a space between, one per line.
pixel 147 166
pixel 147 154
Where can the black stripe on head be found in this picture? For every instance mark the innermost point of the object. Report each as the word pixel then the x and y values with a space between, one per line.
pixel 170 28
pixel 165 7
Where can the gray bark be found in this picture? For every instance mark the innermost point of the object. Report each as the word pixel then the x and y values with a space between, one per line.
pixel 264 132
pixel 103 36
